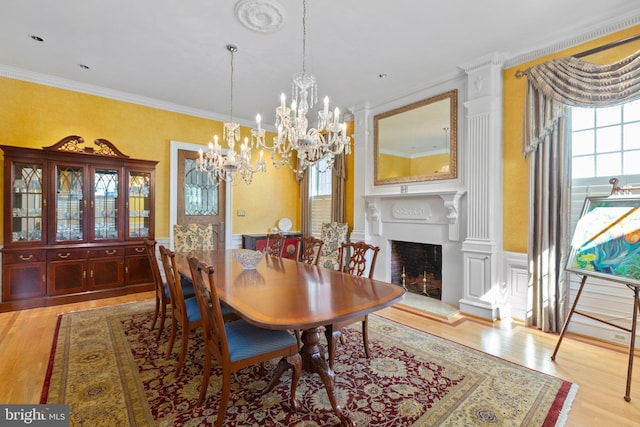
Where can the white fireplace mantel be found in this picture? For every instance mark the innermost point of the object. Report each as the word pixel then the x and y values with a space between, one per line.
pixel 416 207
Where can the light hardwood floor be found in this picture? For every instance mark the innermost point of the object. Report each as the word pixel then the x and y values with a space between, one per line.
pixel 598 368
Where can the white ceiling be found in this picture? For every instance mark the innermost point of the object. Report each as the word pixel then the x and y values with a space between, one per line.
pixel 172 52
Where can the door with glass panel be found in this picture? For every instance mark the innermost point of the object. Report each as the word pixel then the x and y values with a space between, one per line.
pixel 200 201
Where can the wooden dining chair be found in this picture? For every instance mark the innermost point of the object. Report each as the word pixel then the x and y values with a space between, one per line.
pixel 162 295
pixel 184 311
pixel 237 345
pixel 358 259
pixel 309 249
pixel 274 244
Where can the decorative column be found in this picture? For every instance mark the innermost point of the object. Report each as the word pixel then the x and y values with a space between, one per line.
pixel 362 149
pixel 483 243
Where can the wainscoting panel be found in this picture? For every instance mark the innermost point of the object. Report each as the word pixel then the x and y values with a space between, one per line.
pixel 600 298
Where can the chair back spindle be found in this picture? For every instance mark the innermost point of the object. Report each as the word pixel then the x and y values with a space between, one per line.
pixel 274 244
pixel 309 249
pixel 358 258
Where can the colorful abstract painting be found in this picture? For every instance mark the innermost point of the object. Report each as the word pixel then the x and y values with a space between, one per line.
pixel 606 241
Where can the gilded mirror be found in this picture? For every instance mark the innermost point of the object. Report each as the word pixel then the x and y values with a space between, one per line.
pixel 417 142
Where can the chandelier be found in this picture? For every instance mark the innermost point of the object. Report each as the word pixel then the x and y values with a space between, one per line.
pixel 216 164
pixel 325 141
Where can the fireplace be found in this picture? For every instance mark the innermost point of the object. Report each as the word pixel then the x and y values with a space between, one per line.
pixel 432 222
pixel 417 267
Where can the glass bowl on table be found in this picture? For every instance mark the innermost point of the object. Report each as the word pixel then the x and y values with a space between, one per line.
pixel 248 259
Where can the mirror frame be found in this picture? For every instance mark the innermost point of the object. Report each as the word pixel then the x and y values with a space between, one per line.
pixel 452 95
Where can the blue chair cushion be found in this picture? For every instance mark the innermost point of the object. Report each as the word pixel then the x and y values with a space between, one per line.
pixel 187 289
pixel 193 311
pixel 225 309
pixel 246 340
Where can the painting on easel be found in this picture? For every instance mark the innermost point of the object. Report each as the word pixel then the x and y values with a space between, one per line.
pixel 606 242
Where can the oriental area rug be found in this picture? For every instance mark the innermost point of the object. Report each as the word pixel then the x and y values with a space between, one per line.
pixel 107 366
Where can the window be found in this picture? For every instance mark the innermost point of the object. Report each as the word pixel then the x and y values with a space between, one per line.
pixel 605 143
pixel 320 196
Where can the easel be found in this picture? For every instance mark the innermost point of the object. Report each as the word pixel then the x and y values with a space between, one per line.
pixel 615 190
pixel 632 330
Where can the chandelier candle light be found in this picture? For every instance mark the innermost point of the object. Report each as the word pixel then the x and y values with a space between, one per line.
pixel 220 166
pixel 325 141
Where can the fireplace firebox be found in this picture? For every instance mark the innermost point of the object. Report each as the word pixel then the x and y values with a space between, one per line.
pixel 417 267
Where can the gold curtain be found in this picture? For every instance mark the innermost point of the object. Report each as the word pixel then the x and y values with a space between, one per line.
pixel 338 189
pixel 305 206
pixel 552 87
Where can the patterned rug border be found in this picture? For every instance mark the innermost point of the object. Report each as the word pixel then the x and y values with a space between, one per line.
pixel 556 416
pixel 47 378
pixel 565 396
pixel 46 383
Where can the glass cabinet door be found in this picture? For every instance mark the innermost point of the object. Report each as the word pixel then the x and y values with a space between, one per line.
pixel 26 202
pixel 139 204
pixel 69 203
pixel 105 203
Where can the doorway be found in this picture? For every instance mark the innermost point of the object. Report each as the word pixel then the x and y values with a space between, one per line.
pixel 193 198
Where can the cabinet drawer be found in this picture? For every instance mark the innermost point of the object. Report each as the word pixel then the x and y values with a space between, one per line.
pixel 26 256
pixel 136 250
pixel 66 254
pixel 106 252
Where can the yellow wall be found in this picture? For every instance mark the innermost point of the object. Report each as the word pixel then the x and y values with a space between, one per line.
pixel 390 166
pixel 516 178
pixel 35 116
pixel 427 165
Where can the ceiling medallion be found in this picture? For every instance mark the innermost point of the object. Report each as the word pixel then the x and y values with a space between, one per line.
pixel 264 16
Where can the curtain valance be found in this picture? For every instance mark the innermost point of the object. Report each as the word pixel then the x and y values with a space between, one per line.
pixel 562 82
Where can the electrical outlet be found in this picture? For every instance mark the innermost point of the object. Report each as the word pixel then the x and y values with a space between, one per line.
pixel 620 337
pixel 240 213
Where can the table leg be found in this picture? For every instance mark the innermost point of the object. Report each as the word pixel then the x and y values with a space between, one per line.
pixel 295 363
pixel 313 361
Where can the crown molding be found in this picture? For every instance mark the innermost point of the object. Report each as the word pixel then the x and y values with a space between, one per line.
pixel 608 27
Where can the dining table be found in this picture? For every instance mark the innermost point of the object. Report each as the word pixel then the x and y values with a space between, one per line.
pixel 286 294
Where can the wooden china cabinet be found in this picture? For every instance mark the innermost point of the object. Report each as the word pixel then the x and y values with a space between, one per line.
pixel 74 222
